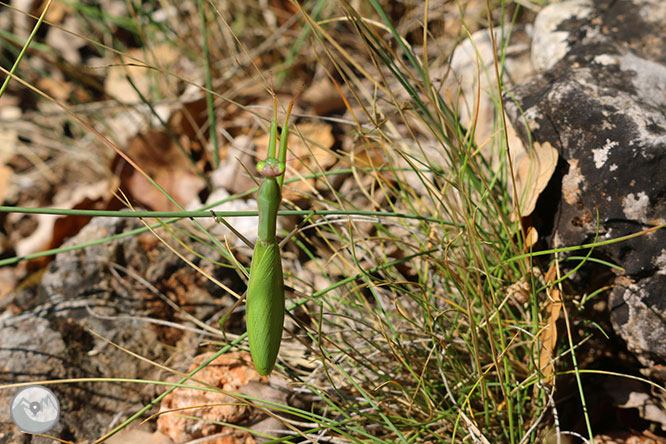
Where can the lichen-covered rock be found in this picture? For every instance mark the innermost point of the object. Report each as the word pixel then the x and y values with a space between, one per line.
pixel 638 314
pixel 600 98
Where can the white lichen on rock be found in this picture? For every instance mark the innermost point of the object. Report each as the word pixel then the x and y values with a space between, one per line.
pixel 660 262
pixel 549 46
pixel 635 206
pixel 601 154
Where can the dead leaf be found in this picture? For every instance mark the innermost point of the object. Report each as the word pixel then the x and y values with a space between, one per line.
pixel 532 175
pixel 549 333
pixel 531 238
pixel 8 281
pixel 116 83
pixel 519 291
pixel 51 231
pixel 8 144
pixel 368 154
pixel 323 97
pixel 57 89
pixel 161 158
pixel 232 174
pixel 5 178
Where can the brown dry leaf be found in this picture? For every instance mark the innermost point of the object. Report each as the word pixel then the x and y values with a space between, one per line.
pixel 532 175
pixel 167 157
pixel 116 83
pixel 232 174
pixel 549 333
pixel 8 281
pixel 57 89
pixel 8 144
pixel 323 97
pixel 161 158
pixel 519 291
pixel 368 154
pixel 313 154
pixel 52 230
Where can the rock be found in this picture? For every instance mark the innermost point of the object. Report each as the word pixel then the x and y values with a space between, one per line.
pixel 638 310
pixel 31 348
pixel 601 101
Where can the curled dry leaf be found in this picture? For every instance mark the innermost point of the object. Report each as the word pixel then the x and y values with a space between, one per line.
pixel 531 238
pixel 549 333
pixel 519 291
pixel 532 175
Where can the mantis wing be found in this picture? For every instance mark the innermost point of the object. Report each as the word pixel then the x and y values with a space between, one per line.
pixel 265 306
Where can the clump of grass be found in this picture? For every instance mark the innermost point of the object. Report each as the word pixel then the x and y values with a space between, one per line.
pixel 430 347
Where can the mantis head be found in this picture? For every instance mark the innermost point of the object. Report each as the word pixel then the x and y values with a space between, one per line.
pixel 270 167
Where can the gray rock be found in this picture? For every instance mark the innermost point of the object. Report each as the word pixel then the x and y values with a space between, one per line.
pixel 638 316
pixel 601 100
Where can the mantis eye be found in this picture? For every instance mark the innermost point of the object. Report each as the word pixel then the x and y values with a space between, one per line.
pixel 270 168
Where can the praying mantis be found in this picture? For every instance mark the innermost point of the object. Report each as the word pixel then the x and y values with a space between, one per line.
pixel 265 291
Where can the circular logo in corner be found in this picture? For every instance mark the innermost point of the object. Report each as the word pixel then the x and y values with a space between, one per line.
pixel 35 409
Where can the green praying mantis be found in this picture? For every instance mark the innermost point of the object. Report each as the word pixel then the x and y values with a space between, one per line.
pixel 265 291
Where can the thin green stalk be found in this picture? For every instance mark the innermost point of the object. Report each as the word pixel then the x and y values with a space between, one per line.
pixel 579 383
pixel 585 246
pixel 212 125
pixel 207 213
pixel 32 35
